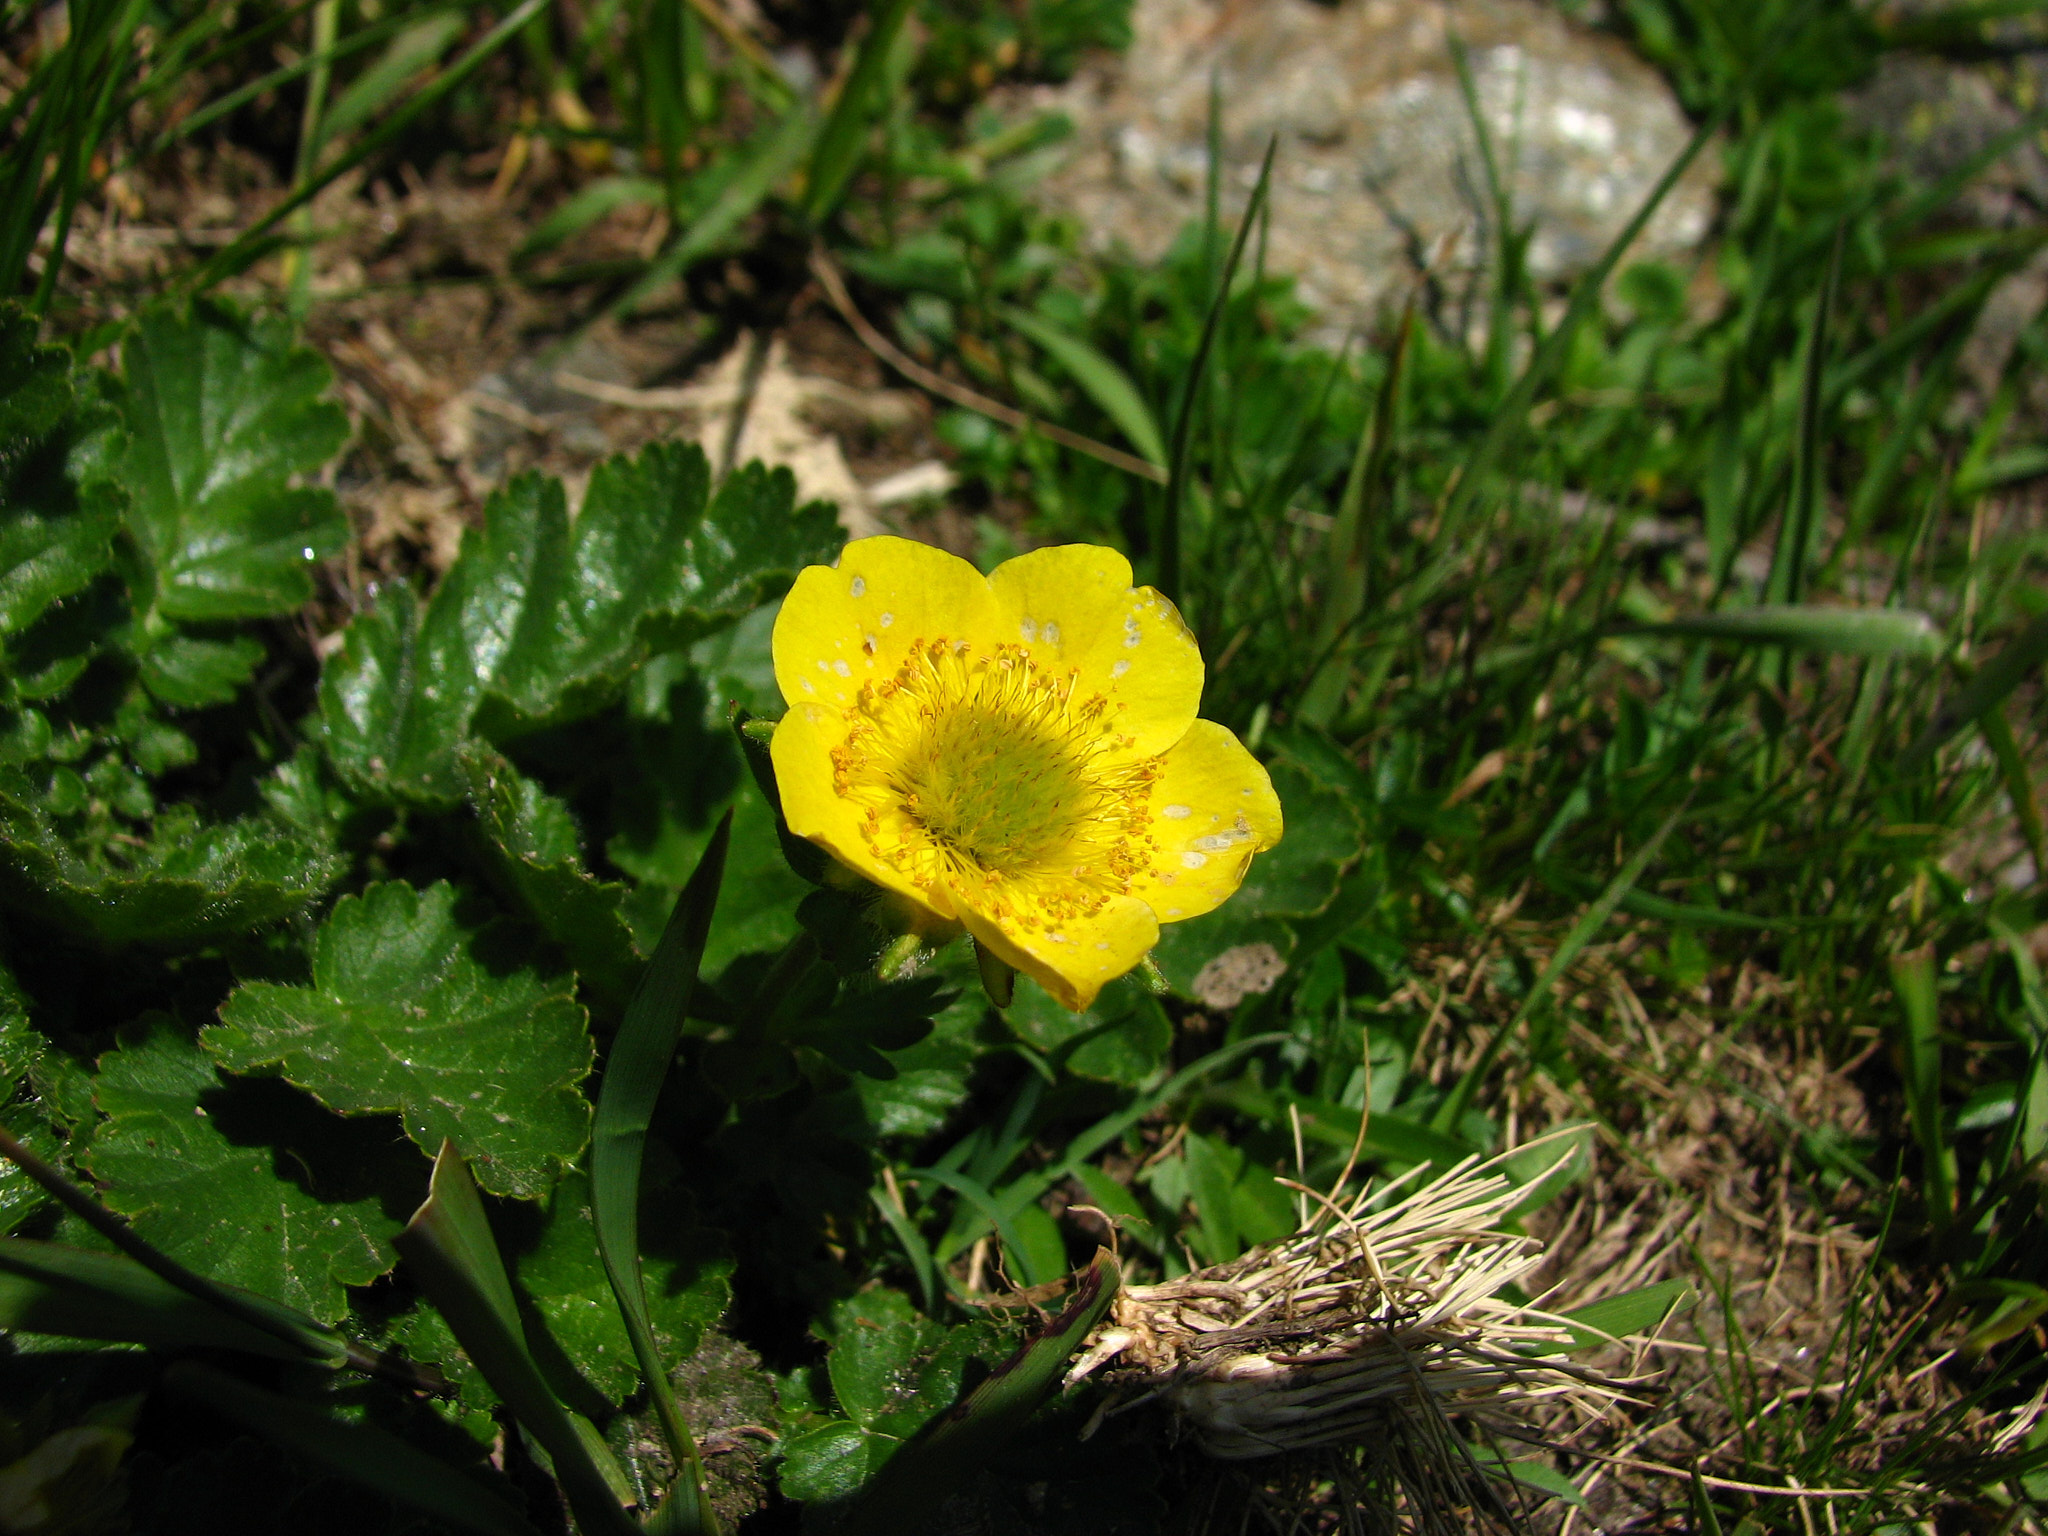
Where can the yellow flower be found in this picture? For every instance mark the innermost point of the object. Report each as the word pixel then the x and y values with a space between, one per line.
pixel 1016 753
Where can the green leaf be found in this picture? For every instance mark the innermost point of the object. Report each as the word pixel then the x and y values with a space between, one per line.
pixel 1843 631
pixel 1106 384
pixel 1624 1316
pixel 1124 1038
pixel 190 884
pixel 955 1444
pixel 55 533
pixel 541 621
pixel 417 1010
pixel 74 1293
pixel 225 416
pixel 187 672
pixel 410 53
pixel 537 852
pixel 687 1285
pixel 199 1175
pixel 452 1256
pixel 892 1369
pixel 861 102
pixel 359 1452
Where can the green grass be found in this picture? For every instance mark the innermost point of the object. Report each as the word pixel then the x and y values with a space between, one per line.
pixel 1642 646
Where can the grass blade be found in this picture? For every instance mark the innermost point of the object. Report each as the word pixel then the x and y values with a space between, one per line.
pixel 1920 1048
pixel 633 1076
pixel 1987 688
pixel 1511 415
pixel 253 241
pixel 1169 543
pixel 1453 1108
pixel 1795 538
pixel 72 1293
pixel 454 1258
pixel 1354 536
pixel 408 55
pixel 306 1338
pixel 1104 383
pixel 361 1453
pixel 774 155
pixel 840 141
pixel 583 209
pixel 1841 631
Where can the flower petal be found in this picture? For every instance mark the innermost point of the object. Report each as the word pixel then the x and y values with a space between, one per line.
pixel 843 625
pixel 1212 807
pixel 802 753
pixel 1077 959
pixel 1073 605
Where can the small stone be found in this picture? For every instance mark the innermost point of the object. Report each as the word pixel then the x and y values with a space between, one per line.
pixel 1377 159
pixel 1237 974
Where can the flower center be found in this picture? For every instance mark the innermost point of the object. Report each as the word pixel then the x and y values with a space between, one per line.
pixel 984 772
pixel 995 784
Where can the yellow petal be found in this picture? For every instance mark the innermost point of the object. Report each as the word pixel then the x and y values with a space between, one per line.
pixel 845 625
pixel 1212 808
pixel 814 809
pixel 1076 959
pixel 1073 606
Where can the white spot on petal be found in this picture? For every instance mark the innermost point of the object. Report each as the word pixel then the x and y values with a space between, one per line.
pixel 1056 938
pixel 809 687
pixel 1132 633
pixel 1173 911
pixel 1029 630
pixel 842 669
pixel 1051 632
pixel 1100 945
pixel 1193 860
pixel 860 586
pixel 1177 812
pixel 824 666
pixel 1120 669
pixel 890 618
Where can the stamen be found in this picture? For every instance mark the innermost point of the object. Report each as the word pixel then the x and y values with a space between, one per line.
pixel 986 772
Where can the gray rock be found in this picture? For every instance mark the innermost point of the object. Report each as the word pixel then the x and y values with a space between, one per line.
pixel 1378 160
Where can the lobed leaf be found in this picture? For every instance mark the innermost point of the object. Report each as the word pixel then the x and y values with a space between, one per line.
pixel 225 416
pixel 225 1203
pixel 415 1010
pixel 55 533
pixel 532 841
pixel 541 621
pixel 191 883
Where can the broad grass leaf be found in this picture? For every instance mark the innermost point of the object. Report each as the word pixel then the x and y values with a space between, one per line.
pixel 1632 1312
pixel 55 532
pixel 220 1181
pixel 532 840
pixel 191 883
pixel 225 417
pixel 417 1010
pixel 541 620
pixel 687 1273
